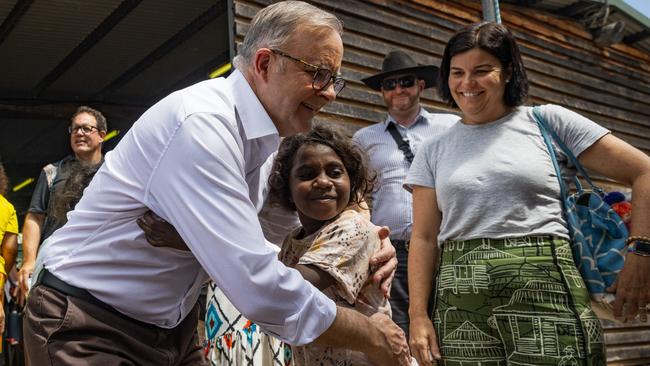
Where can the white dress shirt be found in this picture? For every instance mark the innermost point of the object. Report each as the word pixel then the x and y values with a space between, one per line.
pixel 277 222
pixel 392 205
pixel 195 159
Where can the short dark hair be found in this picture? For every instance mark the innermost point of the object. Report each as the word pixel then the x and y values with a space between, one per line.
pixel 362 179
pixel 497 40
pixel 101 120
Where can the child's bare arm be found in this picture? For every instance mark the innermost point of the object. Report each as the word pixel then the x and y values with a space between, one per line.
pixel 316 276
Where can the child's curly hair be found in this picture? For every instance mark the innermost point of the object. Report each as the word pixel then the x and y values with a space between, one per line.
pixel 66 197
pixel 362 179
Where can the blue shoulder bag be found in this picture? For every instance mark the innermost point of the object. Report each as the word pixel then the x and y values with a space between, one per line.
pixel 597 233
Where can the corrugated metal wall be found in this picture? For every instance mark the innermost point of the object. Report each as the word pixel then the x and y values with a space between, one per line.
pixel 610 86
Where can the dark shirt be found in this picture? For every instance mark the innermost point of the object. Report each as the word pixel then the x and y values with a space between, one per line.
pixel 53 177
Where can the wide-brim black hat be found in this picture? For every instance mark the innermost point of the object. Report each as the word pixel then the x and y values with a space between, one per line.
pixel 399 62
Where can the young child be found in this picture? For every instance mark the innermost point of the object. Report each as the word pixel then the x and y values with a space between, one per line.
pixel 322 175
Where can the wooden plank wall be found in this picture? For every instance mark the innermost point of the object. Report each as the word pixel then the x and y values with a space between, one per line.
pixel 610 86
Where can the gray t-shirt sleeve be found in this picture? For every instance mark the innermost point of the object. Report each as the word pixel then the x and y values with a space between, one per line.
pixel 576 131
pixel 422 173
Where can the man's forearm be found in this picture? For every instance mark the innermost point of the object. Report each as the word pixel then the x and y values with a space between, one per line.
pixel 378 337
pixel 32 236
pixel 352 330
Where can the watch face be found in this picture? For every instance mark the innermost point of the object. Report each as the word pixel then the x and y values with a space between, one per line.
pixel 642 247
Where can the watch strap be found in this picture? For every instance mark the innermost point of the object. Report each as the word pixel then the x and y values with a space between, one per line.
pixel 642 248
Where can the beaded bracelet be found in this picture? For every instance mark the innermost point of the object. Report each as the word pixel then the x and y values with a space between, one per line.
pixel 634 238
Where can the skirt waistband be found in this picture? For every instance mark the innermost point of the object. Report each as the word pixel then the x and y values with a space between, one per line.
pixel 512 242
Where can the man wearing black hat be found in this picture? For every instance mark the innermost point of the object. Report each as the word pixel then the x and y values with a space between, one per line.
pixel 390 146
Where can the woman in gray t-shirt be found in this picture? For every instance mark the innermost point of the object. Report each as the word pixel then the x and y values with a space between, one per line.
pixel 485 190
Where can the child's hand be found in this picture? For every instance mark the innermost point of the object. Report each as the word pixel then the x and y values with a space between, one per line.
pixel 160 233
pixel 386 259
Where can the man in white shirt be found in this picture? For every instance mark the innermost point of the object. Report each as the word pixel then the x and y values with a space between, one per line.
pixel 390 146
pixel 106 296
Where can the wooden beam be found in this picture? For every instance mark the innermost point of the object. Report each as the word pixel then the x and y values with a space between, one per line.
pixel 527 3
pixel 57 111
pixel 636 37
pixel 574 10
pixel 196 25
pixel 198 74
pixel 408 11
pixel 581 45
pixel 585 62
pixel 456 10
pixel 19 9
pixel 570 27
pixel 89 42
pixel 53 97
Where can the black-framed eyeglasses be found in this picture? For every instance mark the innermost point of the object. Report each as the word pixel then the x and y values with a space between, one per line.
pixel 404 82
pixel 322 77
pixel 86 130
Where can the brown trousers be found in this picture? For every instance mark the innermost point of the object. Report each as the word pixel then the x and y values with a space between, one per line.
pixel 65 330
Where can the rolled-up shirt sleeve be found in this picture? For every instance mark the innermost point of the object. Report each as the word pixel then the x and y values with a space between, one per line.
pixel 199 186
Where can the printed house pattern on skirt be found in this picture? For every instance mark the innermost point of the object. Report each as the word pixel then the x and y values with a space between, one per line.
pixel 514 302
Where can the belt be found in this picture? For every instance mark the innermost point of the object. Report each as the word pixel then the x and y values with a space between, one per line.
pixel 401 244
pixel 48 279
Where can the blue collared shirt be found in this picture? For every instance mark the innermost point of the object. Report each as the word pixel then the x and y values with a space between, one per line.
pixel 392 204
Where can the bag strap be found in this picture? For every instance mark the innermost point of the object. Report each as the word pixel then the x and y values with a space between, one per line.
pixel 546 130
pixel 549 144
pixel 401 143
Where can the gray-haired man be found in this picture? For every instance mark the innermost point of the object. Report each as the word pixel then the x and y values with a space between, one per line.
pixel 106 296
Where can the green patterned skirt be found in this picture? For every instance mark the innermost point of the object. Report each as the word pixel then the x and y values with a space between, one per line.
pixel 515 301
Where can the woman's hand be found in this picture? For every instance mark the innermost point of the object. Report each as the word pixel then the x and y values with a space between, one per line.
pixel 423 340
pixel 422 266
pixel 387 259
pixel 632 288
pixel 160 233
pixel 618 160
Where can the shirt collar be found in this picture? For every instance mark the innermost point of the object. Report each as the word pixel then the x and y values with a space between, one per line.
pixel 422 116
pixel 254 119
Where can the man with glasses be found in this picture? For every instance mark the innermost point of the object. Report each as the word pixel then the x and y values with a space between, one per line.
pixel 195 159
pixel 87 130
pixel 390 146
pixel 322 77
